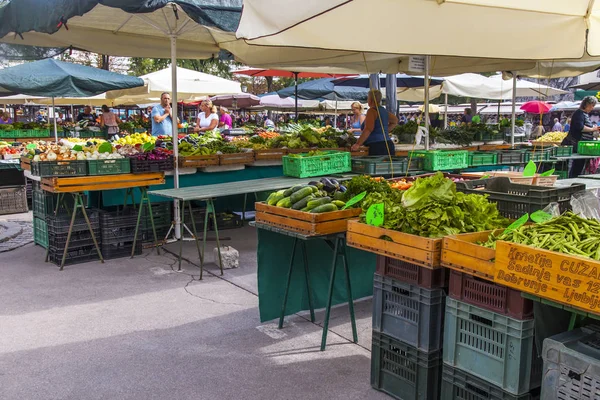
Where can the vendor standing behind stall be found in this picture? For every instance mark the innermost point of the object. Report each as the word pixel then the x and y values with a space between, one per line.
pixel 581 129
pixel 109 120
pixel 207 120
pixel 376 128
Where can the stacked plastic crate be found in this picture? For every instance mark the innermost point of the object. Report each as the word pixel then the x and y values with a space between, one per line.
pixel 162 214
pixel 13 190
pixel 118 233
pixel 408 319
pixel 489 349
pixel 44 205
pixel 81 243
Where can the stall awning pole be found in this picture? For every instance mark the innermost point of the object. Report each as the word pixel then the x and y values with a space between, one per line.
pixel 512 122
pixel 296 94
pixel 336 112
pixel 426 107
pixel 446 111
pixel 54 114
pixel 175 132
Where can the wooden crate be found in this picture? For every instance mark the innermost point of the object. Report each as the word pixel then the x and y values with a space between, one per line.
pixel 236 158
pixel 101 182
pixel 462 253
pixel 198 161
pixel 559 277
pixel 269 154
pixel 25 163
pixel 492 147
pixel 304 222
pixel 362 151
pixel 400 246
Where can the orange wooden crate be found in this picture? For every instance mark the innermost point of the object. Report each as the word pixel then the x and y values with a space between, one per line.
pixel 398 245
pixel 236 158
pixel 304 222
pixel 491 147
pixel 198 161
pixel 463 254
pixel 25 163
pixel 563 278
pixel 269 154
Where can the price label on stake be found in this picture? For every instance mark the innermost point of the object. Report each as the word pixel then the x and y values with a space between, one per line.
pixel 375 214
pixel 518 223
pixel 355 200
pixel 547 173
pixel 529 169
pixel 540 216
pixel 31 146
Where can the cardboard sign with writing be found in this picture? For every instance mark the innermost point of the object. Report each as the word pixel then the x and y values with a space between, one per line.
pixel 566 279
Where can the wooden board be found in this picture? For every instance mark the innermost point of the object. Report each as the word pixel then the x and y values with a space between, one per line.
pixel 236 158
pixel 198 161
pixel 400 246
pixel 463 254
pixel 304 222
pixel 269 154
pixel 101 182
pixel 25 163
pixel 491 147
pixel 566 279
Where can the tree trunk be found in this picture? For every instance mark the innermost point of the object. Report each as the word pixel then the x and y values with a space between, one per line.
pixel 269 80
pixel 473 107
pixel 104 62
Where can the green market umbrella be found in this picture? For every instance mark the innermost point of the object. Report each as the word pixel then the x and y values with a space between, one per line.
pixel 53 78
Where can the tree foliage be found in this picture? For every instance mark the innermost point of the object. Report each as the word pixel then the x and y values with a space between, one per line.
pixel 142 66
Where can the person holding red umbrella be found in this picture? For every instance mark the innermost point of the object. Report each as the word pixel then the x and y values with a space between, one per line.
pixel 581 129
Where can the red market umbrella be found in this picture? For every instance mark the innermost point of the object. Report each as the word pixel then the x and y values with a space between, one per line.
pixel 288 74
pixel 536 107
pixel 242 100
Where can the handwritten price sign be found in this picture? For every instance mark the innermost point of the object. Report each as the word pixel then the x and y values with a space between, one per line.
pixel 566 279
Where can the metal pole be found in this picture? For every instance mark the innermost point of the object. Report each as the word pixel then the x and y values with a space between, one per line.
pixel 335 117
pixel 446 111
pixel 54 114
pixel 426 107
pixel 72 114
pixel 174 132
pixel 296 94
pixel 512 122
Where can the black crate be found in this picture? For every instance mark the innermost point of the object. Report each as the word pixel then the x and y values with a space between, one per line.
pixel 514 200
pixel 227 221
pixel 139 166
pixel 13 200
pixel 74 256
pixel 59 224
pixel 199 216
pixel 162 214
pixel 119 226
pixel 404 372
pixel 44 203
pixel 77 240
pixel 148 236
pixel 12 177
pixel 120 250
pixel 511 157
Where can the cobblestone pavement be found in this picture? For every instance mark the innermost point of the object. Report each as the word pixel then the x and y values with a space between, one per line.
pixel 23 238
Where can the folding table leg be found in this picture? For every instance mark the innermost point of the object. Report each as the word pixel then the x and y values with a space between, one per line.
pixel 195 233
pixel 181 232
pixel 307 277
pixel 204 240
pixel 59 198
pixel 79 200
pixel 349 291
pixel 144 191
pixel 211 208
pixel 330 295
pixel 287 285
pixel 62 262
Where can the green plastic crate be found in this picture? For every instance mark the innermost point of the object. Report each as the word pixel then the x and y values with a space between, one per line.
pixel 379 165
pixel 438 160
pixel 589 148
pixel 492 347
pixel 331 162
pixel 43 203
pixel 59 168
pixel 40 232
pixel 477 158
pixel 562 151
pixel 538 155
pixel 403 371
pixel 562 174
pixel 109 167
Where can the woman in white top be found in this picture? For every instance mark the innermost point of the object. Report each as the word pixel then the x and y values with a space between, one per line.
pixel 109 120
pixel 208 119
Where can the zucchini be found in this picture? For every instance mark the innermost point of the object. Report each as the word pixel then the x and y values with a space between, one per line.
pixel 285 202
pixel 318 202
pixel 300 194
pixel 302 203
pixel 339 204
pixel 339 196
pixel 324 208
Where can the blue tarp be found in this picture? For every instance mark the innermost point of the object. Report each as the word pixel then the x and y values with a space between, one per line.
pixel 325 89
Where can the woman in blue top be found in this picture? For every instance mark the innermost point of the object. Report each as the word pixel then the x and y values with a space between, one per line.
pixel 357 118
pixel 376 128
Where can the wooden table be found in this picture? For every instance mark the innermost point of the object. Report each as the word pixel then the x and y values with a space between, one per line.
pixel 79 184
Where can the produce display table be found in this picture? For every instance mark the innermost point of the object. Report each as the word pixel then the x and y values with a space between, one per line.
pixel 76 186
pixel 309 290
pixel 208 193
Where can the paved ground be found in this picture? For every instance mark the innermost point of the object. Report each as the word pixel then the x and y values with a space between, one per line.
pixel 136 329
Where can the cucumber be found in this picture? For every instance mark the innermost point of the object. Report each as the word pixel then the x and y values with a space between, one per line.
pixel 339 196
pixel 314 188
pixel 318 202
pixel 285 202
pixel 275 199
pixel 300 194
pixel 288 192
pixel 305 209
pixel 302 203
pixel 339 204
pixel 324 208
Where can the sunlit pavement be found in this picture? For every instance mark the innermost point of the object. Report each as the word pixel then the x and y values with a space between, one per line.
pixel 137 329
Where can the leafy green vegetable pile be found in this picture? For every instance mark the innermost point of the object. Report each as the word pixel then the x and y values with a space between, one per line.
pixel 433 208
pixel 569 234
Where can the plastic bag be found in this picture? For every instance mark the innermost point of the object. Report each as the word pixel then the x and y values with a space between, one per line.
pixel 552 209
pixel 586 204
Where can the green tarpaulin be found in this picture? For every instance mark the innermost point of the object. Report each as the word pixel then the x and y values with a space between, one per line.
pixel 580 94
pixel 273 257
